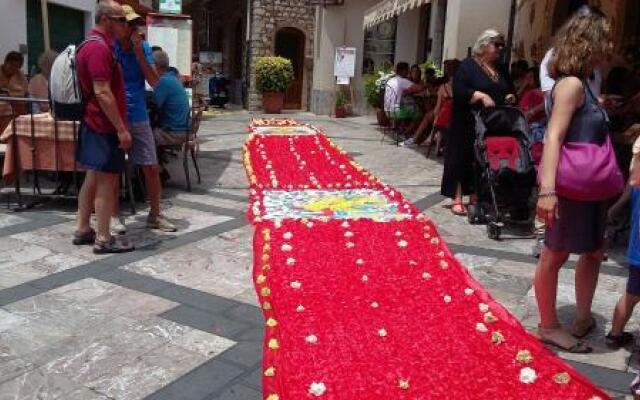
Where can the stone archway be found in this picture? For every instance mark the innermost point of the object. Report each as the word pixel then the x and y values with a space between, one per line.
pixel 290 43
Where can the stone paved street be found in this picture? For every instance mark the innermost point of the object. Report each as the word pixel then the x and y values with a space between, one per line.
pixel 177 319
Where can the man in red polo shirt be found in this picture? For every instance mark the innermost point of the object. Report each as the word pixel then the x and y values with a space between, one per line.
pixel 104 136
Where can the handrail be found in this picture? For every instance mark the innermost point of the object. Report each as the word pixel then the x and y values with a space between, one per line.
pixel 24 99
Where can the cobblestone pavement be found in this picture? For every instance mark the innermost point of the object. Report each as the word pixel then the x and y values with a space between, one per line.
pixel 177 319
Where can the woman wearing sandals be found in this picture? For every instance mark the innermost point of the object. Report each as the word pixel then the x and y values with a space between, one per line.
pixel 477 83
pixel 578 176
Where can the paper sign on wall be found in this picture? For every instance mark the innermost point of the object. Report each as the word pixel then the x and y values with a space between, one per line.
pixel 171 6
pixel 345 62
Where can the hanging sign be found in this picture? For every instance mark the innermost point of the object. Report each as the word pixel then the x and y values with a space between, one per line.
pixel 171 6
pixel 345 62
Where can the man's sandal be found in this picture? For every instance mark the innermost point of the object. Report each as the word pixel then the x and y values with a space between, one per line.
pixel 619 341
pixel 581 335
pixel 82 238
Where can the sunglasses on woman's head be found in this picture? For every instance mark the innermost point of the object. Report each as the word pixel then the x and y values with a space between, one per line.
pixel 589 11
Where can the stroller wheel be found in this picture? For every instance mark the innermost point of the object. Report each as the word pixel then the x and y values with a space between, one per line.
pixel 471 214
pixel 494 231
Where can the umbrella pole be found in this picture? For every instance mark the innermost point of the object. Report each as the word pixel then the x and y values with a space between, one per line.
pixel 45 25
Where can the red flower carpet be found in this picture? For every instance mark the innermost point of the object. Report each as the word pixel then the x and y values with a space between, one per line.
pixel 361 297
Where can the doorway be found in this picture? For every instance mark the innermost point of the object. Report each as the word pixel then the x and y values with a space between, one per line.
pixel 66 26
pixel 290 45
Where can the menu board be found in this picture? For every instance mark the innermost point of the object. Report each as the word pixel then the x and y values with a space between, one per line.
pixel 345 63
pixel 175 36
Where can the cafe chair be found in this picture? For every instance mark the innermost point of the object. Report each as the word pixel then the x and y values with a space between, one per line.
pixel 189 148
pixel 396 126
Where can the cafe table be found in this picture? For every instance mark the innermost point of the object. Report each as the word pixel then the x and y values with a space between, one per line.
pixel 39 143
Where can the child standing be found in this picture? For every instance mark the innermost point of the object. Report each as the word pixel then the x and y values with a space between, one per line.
pixel 617 337
pixel 624 308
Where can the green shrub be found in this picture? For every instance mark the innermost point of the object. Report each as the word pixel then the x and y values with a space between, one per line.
pixel 273 74
pixel 371 90
pixel 341 99
pixel 432 64
pixel 374 85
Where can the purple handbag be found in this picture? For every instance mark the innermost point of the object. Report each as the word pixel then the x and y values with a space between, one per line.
pixel 588 172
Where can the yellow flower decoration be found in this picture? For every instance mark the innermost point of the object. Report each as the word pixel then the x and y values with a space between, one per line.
pixel 562 378
pixel 340 204
pixel 266 248
pixel 273 397
pixel 266 306
pixel 266 267
pixel 274 344
pixel 269 372
pixel 403 384
pixel 265 257
pixel 489 318
pixel 524 357
pixel 261 279
pixel 265 292
pixel 497 338
pixel 271 323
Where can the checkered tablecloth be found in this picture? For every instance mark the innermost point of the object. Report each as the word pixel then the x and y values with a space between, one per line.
pixel 43 127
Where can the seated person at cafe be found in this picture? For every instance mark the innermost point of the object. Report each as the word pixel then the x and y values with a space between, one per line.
pixel 39 83
pixel 397 101
pixel 12 80
pixel 13 83
pixel 172 104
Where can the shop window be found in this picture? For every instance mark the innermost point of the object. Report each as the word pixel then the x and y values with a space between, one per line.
pixel 379 46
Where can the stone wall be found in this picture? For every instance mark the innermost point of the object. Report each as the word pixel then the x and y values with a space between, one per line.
pixel 267 17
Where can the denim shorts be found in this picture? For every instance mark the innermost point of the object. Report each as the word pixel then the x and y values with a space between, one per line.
pixel 143 146
pixel 633 283
pixel 99 151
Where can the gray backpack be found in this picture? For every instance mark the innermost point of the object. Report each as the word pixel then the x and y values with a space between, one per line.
pixel 65 95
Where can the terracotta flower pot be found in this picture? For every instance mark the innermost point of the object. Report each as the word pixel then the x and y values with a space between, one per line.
pixel 382 118
pixel 272 102
pixel 341 112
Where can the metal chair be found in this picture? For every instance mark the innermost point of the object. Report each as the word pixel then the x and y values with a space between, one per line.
pixel 190 145
pixel 396 123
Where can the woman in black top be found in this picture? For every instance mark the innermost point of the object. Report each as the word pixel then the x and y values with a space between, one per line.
pixel 478 83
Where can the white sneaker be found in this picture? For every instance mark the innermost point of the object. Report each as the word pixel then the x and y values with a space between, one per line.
pixel 408 143
pixel 117 226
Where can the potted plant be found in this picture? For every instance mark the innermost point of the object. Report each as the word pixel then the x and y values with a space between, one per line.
pixel 273 77
pixel 341 104
pixel 374 86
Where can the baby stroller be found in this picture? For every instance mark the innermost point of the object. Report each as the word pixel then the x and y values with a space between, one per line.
pixel 505 176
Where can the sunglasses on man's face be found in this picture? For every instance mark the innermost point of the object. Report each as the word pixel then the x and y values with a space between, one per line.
pixel 499 45
pixel 119 19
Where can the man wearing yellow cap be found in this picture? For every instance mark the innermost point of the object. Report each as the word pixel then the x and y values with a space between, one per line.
pixel 135 57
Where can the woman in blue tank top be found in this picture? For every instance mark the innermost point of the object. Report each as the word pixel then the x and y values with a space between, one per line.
pixel 573 227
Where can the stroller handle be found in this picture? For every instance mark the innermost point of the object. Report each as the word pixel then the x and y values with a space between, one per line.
pixel 480 112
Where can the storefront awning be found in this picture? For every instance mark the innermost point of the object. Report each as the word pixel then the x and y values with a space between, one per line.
pixel 388 9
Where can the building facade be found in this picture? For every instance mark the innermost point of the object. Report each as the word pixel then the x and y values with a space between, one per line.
pixel 283 28
pixel 21 27
pixel 537 21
